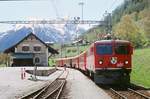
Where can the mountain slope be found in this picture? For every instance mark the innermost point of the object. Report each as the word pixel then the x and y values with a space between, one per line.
pixel 47 33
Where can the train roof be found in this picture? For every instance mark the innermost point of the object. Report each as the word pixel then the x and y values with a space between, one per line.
pixel 111 41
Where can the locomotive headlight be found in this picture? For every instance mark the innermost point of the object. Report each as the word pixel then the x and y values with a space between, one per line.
pixel 126 62
pixel 100 62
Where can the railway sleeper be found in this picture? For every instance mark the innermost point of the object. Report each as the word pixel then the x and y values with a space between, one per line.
pixel 118 94
pixel 138 93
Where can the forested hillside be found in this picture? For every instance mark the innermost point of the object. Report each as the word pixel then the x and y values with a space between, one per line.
pixel 130 21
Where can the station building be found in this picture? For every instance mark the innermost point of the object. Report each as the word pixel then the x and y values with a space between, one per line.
pixel 30 51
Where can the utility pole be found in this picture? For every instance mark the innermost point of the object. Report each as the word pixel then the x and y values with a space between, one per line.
pixel 81 4
pixel 108 26
pixel 108 22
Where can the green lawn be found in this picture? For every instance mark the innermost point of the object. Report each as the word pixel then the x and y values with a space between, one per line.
pixel 141 67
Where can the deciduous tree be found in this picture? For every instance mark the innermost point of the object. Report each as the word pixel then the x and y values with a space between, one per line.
pixel 126 29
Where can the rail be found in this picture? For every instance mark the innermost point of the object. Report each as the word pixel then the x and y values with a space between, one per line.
pixel 138 93
pixel 49 89
pixel 118 94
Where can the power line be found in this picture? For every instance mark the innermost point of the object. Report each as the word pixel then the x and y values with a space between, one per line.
pixel 55 22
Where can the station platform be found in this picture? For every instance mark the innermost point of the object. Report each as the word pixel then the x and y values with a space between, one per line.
pixel 78 85
pixel 81 87
pixel 13 87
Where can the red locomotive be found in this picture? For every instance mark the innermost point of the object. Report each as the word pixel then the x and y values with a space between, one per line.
pixel 106 61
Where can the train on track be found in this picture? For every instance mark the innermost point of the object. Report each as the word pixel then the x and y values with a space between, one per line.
pixel 105 61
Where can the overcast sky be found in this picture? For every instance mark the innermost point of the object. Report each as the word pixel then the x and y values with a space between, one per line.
pixel 52 9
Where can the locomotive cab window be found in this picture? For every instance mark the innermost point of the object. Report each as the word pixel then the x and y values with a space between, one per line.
pixel 104 49
pixel 122 49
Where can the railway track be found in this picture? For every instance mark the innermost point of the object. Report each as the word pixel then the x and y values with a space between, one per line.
pixel 117 94
pixel 127 94
pixel 138 93
pixel 51 90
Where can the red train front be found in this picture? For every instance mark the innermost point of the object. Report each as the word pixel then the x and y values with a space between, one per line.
pixel 106 61
pixel 109 61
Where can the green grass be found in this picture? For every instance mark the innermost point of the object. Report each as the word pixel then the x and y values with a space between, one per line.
pixel 141 67
pixel 72 51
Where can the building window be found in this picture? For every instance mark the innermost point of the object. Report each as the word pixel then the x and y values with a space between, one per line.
pixel 37 60
pixel 37 48
pixel 25 48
